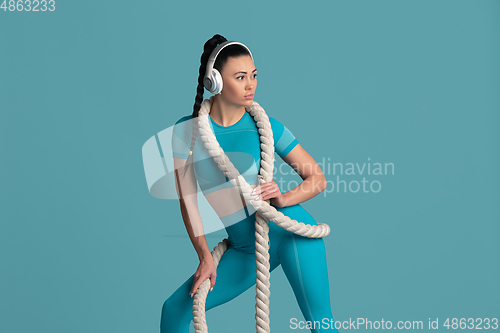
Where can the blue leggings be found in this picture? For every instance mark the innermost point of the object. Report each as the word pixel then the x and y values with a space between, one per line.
pixel 303 261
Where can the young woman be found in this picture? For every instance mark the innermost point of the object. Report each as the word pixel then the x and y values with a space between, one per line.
pixel 302 259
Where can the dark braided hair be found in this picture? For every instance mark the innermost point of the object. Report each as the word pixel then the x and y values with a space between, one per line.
pixel 210 45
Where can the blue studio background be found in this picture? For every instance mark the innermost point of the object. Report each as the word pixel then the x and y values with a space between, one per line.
pixel 85 248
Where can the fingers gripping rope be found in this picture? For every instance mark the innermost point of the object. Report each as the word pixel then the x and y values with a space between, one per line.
pixel 200 296
pixel 265 213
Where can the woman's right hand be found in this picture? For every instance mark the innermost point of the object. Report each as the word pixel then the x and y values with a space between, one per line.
pixel 206 269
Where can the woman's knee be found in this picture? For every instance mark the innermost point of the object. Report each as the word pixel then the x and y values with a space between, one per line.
pixel 174 318
pixel 171 308
pixel 177 310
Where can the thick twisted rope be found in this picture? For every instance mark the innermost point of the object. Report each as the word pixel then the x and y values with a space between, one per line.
pixel 265 213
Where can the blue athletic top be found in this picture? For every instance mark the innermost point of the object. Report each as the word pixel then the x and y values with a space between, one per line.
pixel 240 142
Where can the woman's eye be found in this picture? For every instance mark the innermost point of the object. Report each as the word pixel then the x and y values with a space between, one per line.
pixel 242 77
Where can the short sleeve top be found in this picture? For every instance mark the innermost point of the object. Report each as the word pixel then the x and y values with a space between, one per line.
pixel 240 142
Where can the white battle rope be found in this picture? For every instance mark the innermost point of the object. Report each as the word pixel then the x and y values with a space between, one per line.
pixel 265 213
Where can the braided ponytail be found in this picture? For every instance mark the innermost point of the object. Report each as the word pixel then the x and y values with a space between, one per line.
pixel 209 46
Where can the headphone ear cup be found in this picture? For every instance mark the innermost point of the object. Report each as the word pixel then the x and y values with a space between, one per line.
pixel 207 82
pixel 217 80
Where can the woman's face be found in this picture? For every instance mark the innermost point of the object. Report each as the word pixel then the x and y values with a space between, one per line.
pixel 239 80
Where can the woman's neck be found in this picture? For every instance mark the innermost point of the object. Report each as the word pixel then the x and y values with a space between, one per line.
pixel 226 114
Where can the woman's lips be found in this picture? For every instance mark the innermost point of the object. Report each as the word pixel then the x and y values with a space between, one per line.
pixel 249 96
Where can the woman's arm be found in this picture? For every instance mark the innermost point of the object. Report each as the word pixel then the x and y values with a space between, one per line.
pixel 186 191
pixel 314 181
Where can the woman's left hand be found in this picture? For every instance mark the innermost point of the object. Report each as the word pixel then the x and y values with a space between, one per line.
pixel 271 191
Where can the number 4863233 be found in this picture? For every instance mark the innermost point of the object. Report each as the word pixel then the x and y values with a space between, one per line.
pixel 28 5
pixel 479 323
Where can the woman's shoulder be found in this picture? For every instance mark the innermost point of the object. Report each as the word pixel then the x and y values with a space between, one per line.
pixel 184 118
pixel 183 127
pixel 185 123
pixel 276 126
pixel 273 121
pixel 284 140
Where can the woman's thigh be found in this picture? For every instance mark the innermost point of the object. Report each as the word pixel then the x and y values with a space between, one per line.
pixel 236 273
pixel 304 263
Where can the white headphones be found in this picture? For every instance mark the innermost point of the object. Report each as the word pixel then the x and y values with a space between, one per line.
pixel 213 80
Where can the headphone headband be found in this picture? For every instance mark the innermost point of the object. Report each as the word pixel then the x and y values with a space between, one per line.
pixel 210 81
